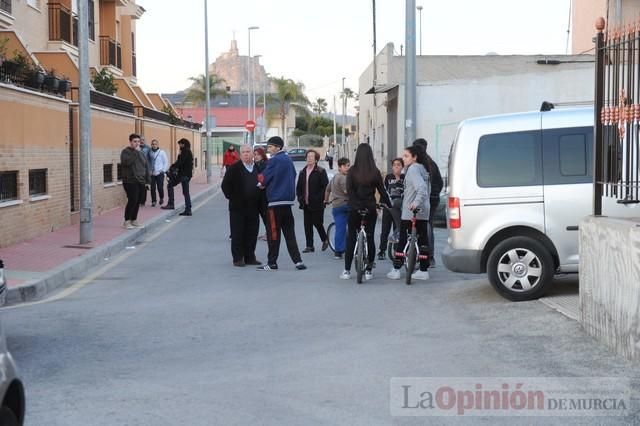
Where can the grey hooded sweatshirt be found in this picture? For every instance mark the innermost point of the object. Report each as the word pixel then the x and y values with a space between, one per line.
pixel 416 190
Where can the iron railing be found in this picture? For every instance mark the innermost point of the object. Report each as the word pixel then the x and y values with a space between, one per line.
pixel 8 186
pixel 63 24
pixel 107 101
pixel 617 116
pixel 37 182
pixel 110 52
pixel 5 5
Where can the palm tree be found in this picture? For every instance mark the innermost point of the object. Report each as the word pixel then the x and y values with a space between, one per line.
pixel 196 93
pixel 320 106
pixel 289 94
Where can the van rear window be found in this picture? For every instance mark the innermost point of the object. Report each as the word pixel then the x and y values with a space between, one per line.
pixel 510 159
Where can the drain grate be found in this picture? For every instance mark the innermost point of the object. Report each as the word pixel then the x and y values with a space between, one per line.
pixel 79 247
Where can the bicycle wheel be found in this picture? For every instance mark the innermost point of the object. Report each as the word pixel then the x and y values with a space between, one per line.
pixel 359 257
pixel 331 236
pixel 412 254
pixel 391 251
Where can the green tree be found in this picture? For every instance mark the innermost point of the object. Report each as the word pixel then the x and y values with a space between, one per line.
pixel 103 82
pixel 197 95
pixel 319 106
pixel 289 94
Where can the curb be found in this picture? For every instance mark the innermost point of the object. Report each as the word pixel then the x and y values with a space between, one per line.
pixel 61 276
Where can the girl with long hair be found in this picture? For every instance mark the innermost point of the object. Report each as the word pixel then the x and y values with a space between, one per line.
pixel 363 180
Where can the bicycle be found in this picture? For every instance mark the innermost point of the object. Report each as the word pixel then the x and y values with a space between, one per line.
pixel 410 253
pixel 360 251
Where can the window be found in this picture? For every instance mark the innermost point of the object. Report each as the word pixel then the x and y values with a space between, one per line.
pixel 34 3
pixel 107 173
pixel 119 172
pixel 37 182
pixel 5 5
pixel 92 22
pixel 8 186
pixel 195 159
pixel 573 155
pixel 510 159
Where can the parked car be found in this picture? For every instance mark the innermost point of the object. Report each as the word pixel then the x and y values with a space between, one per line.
pixel 297 154
pixel 11 388
pixel 262 145
pixel 519 186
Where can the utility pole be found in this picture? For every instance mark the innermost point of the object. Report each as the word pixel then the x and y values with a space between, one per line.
pixel 249 83
pixel 420 13
pixel 375 76
pixel 335 133
pixel 344 104
pixel 410 74
pixel 86 213
pixel 207 91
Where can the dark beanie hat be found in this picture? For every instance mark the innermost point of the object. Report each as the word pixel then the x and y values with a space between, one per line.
pixel 277 141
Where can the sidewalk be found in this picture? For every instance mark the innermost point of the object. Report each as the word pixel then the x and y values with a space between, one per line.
pixel 43 264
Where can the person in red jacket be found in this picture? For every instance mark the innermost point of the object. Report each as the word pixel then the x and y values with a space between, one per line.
pixel 230 157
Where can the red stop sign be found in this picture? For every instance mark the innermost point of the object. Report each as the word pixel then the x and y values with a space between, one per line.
pixel 250 125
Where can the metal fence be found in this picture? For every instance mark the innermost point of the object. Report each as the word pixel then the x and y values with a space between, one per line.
pixel 617 115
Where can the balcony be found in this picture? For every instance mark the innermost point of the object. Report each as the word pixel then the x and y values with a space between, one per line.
pixel 110 52
pixel 63 24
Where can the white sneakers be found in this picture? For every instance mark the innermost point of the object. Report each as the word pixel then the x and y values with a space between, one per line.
pixel 394 274
pixel 345 275
pixel 420 275
pixel 368 275
pixel 127 225
pixel 135 224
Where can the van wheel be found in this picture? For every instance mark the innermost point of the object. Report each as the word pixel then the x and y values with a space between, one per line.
pixel 520 268
pixel 7 418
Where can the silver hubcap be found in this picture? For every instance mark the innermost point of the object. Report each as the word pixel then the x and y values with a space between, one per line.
pixel 519 270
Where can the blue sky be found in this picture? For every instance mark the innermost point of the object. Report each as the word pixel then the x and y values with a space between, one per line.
pixel 319 42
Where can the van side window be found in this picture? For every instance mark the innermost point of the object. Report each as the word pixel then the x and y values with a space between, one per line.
pixel 573 155
pixel 510 159
pixel 567 155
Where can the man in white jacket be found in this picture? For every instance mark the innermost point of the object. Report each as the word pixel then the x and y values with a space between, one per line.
pixel 159 164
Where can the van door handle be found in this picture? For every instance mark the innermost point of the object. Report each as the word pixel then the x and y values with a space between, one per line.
pixel 572 228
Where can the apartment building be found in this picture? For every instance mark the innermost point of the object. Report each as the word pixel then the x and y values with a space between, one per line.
pixel 39 135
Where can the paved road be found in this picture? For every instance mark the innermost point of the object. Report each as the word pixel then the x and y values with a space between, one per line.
pixel 173 334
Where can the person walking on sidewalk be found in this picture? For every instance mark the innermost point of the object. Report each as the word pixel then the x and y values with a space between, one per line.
pixel 312 183
pixel 260 159
pixel 434 194
pixel 416 195
pixel 230 157
pixel 336 194
pixel 144 148
pixel 394 184
pixel 331 152
pixel 279 179
pixel 134 176
pixel 240 187
pixel 184 168
pixel 159 164
pixel 363 180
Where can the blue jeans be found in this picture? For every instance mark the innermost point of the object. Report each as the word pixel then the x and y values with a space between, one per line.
pixel 184 180
pixel 340 218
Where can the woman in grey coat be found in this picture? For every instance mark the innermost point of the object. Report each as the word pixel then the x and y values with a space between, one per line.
pixel 416 195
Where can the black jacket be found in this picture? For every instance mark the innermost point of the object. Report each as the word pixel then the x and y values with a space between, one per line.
pixel 134 166
pixel 318 182
pixel 436 179
pixel 241 187
pixel 184 163
pixel 364 196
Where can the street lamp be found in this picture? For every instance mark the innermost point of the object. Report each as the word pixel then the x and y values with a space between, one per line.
pixel 256 58
pixel 344 105
pixel 420 13
pixel 249 84
pixel 207 91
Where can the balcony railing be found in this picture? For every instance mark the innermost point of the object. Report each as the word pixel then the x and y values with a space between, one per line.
pixel 63 24
pixel 5 5
pixel 110 52
pixel 107 101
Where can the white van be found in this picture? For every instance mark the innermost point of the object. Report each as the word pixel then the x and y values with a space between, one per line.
pixel 519 185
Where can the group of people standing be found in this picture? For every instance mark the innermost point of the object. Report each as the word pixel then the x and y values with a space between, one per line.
pixel 144 168
pixel 258 187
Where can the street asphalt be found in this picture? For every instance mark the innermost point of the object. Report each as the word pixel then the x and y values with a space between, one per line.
pixel 174 334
